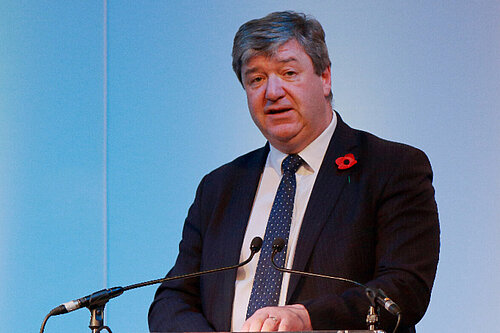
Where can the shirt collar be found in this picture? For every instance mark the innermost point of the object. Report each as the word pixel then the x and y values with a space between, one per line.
pixel 313 154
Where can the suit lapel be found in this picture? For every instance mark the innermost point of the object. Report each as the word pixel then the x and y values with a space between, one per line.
pixel 325 194
pixel 241 201
pixel 236 220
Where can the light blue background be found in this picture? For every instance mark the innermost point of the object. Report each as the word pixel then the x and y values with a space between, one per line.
pixel 104 140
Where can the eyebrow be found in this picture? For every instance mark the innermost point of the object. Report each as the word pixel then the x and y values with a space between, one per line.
pixel 286 60
pixel 255 69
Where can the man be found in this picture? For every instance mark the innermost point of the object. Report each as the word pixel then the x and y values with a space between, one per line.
pixel 363 208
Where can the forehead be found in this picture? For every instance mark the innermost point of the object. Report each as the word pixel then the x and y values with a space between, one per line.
pixel 290 51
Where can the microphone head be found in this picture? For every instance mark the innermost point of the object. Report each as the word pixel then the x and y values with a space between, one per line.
pixel 278 244
pixel 256 244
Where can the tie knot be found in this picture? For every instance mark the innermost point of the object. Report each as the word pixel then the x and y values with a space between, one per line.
pixel 292 163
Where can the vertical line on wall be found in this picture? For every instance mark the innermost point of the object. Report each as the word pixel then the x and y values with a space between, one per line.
pixel 105 144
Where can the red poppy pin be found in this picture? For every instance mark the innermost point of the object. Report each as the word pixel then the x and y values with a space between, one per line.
pixel 345 162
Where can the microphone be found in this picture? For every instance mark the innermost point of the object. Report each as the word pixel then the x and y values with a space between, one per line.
pixel 98 298
pixel 387 303
pixel 255 247
pixel 373 294
pixel 101 297
pixel 279 244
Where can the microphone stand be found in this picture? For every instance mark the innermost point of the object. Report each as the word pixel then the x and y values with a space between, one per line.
pixel 97 301
pixel 97 319
pixel 372 318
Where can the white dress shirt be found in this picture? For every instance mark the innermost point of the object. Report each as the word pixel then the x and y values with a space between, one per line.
pixel 306 175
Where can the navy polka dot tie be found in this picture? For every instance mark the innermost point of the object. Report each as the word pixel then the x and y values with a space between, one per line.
pixel 267 282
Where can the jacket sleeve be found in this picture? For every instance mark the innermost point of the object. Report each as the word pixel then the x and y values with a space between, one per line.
pixel 177 305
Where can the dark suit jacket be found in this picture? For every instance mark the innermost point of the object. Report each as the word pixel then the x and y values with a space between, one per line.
pixel 376 223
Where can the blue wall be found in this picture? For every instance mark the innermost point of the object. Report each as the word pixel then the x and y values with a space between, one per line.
pixel 110 114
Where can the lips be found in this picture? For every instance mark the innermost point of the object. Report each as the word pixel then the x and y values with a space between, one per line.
pixel 277 110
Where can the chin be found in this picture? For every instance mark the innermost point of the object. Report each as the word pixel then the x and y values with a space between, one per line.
pixel 285 132
pixel 284 144
pixel 282 139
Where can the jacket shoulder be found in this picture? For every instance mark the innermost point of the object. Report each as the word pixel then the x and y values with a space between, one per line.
pixel 250 161
pixel 384 151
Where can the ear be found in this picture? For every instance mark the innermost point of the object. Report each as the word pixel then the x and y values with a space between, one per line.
pixel 326 78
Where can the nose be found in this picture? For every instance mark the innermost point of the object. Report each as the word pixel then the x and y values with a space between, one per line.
pixel 274 89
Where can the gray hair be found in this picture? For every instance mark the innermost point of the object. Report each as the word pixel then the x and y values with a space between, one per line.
pixel 267 34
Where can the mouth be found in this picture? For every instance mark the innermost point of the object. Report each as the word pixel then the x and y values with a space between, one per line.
pixel 278 111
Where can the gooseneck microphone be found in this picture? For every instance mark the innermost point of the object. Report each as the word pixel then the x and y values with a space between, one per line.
pixel 87 301
pixel 101 297
pixel 376 295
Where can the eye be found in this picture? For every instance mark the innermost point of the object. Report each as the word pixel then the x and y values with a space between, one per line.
pixel 253 81
pixel 290 74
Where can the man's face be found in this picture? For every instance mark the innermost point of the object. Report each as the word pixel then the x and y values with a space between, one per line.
pixel 286 98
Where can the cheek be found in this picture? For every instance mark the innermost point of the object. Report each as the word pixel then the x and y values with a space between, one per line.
pixel 254 102
pixel 253 108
